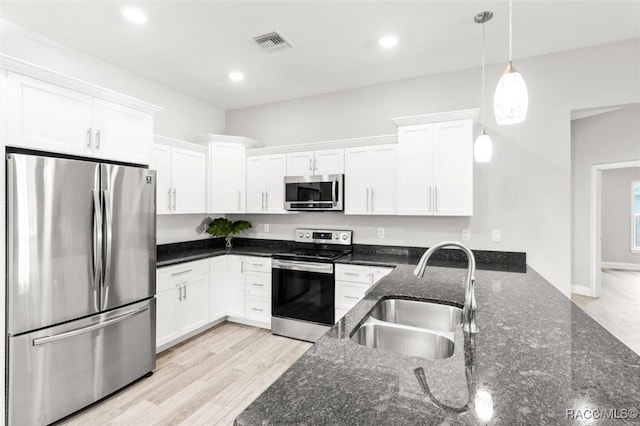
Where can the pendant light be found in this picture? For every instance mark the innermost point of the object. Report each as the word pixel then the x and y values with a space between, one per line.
pixel 483 148
pixel 511 100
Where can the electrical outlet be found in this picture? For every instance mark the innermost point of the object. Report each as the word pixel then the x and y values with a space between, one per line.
pixel 466 235
pixel 495 235
pixel 380 232
pixel 266 227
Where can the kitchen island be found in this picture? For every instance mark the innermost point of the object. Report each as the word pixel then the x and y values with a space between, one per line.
pixel 537 359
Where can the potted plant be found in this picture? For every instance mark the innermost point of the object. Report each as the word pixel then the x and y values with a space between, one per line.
pixel 223 227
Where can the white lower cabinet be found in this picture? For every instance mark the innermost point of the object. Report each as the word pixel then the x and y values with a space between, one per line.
pixel 352 283
pixel 182 300
pixel 249 290
pixel 217 287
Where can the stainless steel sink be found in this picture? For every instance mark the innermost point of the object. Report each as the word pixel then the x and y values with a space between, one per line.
pixel 405 340
pixel 432 316
pixel 410 327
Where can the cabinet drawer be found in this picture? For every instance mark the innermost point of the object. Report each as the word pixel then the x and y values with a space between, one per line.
pixel 258 308
pixel 258 264
pixel 258 283
pixel 348 294
pixel 352 273
pixel 166 277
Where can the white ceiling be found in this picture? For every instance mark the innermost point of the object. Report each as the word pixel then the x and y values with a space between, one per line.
pixel 191 45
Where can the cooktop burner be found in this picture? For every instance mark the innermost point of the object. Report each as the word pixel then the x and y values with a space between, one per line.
pixel 315 254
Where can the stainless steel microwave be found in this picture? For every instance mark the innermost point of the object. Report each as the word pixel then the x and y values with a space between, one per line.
pixel 314 193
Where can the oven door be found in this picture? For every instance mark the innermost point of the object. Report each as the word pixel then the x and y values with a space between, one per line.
pixel 323 192
pixel 303 291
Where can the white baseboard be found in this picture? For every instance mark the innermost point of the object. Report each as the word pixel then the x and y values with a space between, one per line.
pixel 250 322
pixel 625 266
pixel 582 290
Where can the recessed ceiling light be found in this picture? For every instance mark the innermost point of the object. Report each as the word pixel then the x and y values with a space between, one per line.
pixel 388 41
pixel 134 14
pixel 236 76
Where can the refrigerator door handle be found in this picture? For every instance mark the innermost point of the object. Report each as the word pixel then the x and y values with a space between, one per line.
pixel 97 246
pixel 49 339
pixel 108 221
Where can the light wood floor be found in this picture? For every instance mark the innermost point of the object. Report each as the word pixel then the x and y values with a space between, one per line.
pixel 618 307
pixel 207 380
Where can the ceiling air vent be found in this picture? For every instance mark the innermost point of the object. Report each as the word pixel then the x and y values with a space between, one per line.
pixel 272 41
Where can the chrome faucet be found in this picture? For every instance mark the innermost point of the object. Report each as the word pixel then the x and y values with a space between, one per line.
pixel 470 306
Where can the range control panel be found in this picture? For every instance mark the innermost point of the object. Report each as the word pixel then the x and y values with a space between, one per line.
pixel 323 236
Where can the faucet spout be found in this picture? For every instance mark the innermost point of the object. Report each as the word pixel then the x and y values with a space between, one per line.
pixel 470 305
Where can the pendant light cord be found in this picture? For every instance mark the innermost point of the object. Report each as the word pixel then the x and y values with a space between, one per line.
pixel 483 108
pixel 510 29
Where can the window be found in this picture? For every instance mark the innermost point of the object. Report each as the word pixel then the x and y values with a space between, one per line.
pixel 635 217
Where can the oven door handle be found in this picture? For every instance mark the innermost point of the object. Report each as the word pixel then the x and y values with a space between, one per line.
pixel 291 265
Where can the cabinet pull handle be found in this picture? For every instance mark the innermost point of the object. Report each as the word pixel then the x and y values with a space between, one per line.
pixel 310 165
pixel 355 274
pixel 180 293
pixel 266 198
pixel 238 200
pixel 372 208
pixel 242 266
pixel 262 200
pixel 97 139
pixel 351 297
pixel 259 265
pixel 175 198
pixel 185 291
pixel 367 199
pixel 435 197
pixel 257 285
pixel 315 165
pixel 181 272
pixel 89 138
pixel 430 200
pixel 169 199
pixel 256 309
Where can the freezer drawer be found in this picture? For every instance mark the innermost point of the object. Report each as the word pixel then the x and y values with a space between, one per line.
pixel 57 371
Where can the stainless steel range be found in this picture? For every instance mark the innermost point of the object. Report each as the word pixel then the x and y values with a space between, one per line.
pixel 303 285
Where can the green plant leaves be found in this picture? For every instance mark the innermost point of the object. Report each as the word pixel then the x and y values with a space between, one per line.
pixel 223 227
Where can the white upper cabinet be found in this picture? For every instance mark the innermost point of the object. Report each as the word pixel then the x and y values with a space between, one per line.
pixel 370 180
pixel 436 168
pixel 49 117
pixel 226 171
pixel 321 162
pixel 121 133
pixel 181 176
pixel 265 183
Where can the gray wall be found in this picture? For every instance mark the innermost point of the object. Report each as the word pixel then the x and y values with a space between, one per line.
pixel 616 215
pixel 605 138
pixel 525 191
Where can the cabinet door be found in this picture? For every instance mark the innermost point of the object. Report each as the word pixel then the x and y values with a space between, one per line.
pixel 275 173
pixel 453 168
pixel 226 180
pixel 383 165
pixel 300 163
pixel 415 174
pixel 195 304
pixel 235 286
pixel 161 163
pixel 168 318
pixel 256 185
pixel 217 287
pixel 356 187
pixel 188 177
pixel 329 162
pixel 377 273
pixel 121 133
pixel 48 117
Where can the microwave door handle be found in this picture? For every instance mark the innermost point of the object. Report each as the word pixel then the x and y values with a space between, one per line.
pixel 334 195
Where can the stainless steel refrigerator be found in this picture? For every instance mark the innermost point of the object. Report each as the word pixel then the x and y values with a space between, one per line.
pixel 81 260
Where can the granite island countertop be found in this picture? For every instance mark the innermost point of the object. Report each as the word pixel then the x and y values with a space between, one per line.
pixel 536 356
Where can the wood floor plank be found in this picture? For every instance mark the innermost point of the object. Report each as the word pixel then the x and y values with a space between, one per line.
pixel 206 380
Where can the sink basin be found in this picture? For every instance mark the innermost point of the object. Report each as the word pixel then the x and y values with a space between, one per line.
pixel 432 316
pixel 405 340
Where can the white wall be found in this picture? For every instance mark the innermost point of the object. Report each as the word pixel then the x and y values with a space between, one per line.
pixel 525 191
pixel 606 138
pixel 616 214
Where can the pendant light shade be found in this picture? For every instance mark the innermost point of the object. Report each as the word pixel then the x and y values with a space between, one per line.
pixel 511 100
pixel 483 149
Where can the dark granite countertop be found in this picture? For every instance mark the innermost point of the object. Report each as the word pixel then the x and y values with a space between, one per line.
pixel 536 356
